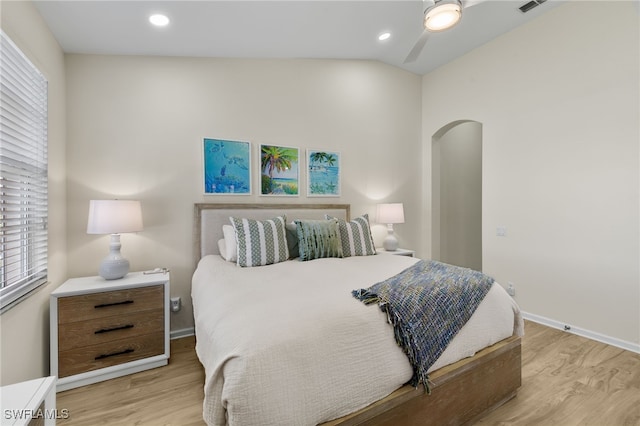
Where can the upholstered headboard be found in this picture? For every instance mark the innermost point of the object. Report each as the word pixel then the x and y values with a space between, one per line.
pixel 210 217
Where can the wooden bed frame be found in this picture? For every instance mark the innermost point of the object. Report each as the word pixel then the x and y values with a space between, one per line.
pixel 461 393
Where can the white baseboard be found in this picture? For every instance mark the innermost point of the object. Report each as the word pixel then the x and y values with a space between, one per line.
pixel 623 344
pixel 177 334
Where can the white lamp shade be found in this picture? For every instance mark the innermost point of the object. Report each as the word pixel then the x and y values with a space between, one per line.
pixel 114 217
pixel 390 213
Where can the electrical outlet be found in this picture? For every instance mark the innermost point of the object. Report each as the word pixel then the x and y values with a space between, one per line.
pixel 511 289
pixel 501 231
pixel 176 304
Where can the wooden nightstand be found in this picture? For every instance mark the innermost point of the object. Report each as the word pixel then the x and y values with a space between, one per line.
pixel 399 252
pixel 104 329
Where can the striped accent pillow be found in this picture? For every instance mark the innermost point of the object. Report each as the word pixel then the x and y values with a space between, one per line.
pixel 261 242
pixel 356 236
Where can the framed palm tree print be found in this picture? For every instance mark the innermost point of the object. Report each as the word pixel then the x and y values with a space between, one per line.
pixel 323 173
pixel 227 167
pixel 279 170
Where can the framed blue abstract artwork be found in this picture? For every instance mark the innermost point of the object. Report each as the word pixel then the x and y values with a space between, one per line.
pixel 227 167
pixel 323 173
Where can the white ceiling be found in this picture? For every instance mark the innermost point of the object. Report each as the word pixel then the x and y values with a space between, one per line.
pixel 325 29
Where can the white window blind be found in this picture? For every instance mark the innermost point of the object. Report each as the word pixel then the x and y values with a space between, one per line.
pixel 23 175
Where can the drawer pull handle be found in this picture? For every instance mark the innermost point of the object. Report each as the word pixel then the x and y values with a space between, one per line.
pixel 106 330
pixel 106 305
pixel 103 356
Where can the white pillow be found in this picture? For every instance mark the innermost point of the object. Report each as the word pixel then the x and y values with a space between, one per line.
pixel 222 247
pixel 231 245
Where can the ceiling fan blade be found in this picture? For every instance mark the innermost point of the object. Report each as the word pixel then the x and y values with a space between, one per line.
pixel 470 3
pixel 417 48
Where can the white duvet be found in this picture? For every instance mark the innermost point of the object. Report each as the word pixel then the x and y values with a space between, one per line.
pixel 287 344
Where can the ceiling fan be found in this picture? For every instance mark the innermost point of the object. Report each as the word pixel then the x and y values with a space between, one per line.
pixel 439 15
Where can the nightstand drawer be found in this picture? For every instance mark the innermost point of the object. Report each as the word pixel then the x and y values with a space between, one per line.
pixel 105 304
pixel 81 360
pixel 87 333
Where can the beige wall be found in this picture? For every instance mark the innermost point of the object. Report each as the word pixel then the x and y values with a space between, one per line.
pixel 136 126
pixel 559 103
pixel 24 329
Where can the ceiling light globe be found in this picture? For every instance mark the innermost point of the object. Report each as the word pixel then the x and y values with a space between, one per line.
pixel 442 16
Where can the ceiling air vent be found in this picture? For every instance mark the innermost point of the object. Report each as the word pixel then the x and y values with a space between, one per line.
pixel 533 3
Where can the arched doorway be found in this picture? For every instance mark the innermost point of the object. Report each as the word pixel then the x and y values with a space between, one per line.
pixel 457 194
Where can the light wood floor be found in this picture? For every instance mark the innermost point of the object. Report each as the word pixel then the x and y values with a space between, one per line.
pixel 566 380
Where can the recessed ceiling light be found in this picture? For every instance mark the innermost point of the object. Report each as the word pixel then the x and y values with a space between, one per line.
pixel 159 20
pixel 384 36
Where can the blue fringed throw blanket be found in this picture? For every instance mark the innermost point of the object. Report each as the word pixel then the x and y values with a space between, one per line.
pixel 427 304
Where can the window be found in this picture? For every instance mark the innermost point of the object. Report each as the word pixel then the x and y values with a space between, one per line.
pixel 23 175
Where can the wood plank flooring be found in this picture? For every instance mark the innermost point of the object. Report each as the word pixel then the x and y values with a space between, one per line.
pixel 168 395
pixel 570 380
pixel 566 380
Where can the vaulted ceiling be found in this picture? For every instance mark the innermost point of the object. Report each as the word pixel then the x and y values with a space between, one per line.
pixel 326 29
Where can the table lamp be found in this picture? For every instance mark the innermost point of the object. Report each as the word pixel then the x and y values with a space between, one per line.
pixel 390 213
pixel 114 217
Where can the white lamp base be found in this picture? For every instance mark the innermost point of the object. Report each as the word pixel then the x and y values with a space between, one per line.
pixel 390 243
pixel 114 266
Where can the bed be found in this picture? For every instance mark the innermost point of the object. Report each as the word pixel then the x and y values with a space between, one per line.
pixel 287 344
